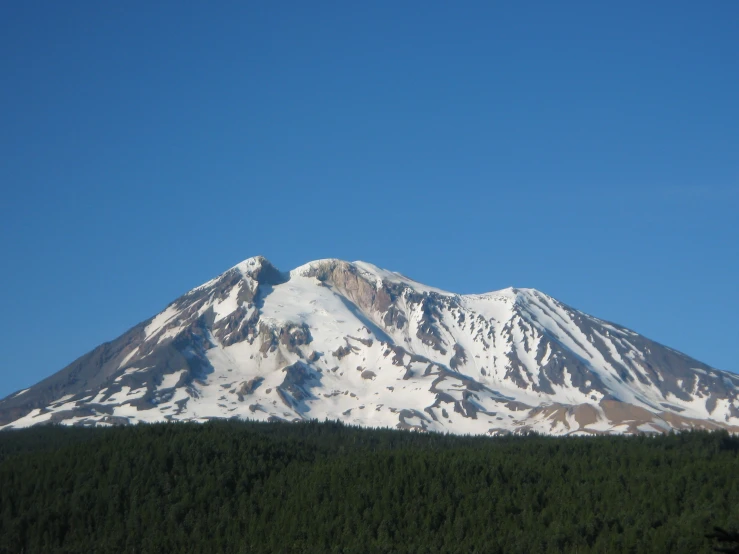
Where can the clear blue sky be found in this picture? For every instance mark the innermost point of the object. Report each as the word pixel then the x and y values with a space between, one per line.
pixel 587 149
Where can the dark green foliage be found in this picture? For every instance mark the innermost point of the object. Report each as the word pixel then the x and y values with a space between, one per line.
pixel 323 487
pixel 727 541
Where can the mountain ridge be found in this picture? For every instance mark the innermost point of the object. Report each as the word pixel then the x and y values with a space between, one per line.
pixel 354 342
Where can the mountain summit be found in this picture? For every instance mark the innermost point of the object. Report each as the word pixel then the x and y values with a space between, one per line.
pixel 352 342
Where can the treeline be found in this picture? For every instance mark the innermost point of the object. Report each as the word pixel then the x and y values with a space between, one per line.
pixel 324 487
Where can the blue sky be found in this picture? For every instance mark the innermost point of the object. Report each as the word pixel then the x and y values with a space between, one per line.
pixel 587 149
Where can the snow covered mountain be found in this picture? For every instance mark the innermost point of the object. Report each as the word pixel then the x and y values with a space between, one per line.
pixel 352 342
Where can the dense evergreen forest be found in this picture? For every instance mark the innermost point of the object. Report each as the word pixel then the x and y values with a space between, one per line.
pixel 323 487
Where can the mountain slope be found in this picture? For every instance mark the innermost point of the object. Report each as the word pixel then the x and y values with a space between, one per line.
pixel 352 342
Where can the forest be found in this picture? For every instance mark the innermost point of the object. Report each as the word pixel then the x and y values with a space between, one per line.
pixel 243 487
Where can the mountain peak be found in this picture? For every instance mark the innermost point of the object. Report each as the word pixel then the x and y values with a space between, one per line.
pixel 252 263
pixel 357 343
pixel 259 269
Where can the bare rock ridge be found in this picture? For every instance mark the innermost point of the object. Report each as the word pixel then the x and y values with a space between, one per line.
pixel 356 343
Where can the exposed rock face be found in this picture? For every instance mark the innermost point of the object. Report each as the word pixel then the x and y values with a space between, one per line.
pixel 350 341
